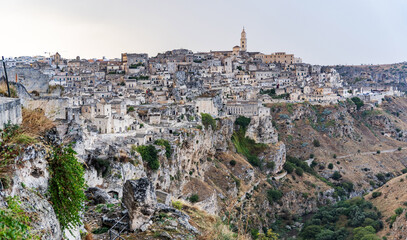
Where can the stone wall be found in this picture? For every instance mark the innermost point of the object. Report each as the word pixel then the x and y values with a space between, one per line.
pixel 10 111
pixel 55 108
pixel 32 79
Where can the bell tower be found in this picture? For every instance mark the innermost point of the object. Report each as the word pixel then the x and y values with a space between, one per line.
pixel 243 41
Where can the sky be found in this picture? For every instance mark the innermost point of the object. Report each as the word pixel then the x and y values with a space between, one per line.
pixel 325 32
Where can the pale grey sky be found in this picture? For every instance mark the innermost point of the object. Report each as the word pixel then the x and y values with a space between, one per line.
pixel 319 31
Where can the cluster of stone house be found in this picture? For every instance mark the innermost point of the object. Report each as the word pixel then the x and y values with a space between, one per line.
pixel 147 96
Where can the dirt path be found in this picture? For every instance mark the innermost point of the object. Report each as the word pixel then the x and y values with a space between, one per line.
pixel 368 153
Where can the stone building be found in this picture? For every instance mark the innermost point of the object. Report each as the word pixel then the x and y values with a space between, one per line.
pixel 243 41
pixel 242 108
pixel 206 105
pixel 278 57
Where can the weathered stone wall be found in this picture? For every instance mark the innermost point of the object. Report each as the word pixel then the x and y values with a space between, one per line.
pixel 55 108
pixel 10 111
pixel 32 79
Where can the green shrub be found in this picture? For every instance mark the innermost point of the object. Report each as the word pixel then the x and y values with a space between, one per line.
pixel 14 221
pixel 194 198
pixel 334 156
pixel 232 163
pixel 381 177
pixel 310 231
pixel 166 144
pixel 149 155
pixel 399 149
pixel 242 121
pixel 23 139
pixel 299 171
pixel 376 194
pixel 348 186
pixel 378 151
pixel 66 186
pixel 336 175
pixel 247 147
pixel 289 167
pixel 330 166
pixel 274 195
pixel 130 109
pixel 316 143
pixel 404 170
pixel 207 120
pixel 343 220
pixel 365 233
pixel 177 204
pixel 100 230
pixel 271 165
pixel 358 102
pixel 399 211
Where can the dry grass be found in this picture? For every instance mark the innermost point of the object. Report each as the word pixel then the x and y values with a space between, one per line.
pixel 211 226
pixel 89 236
pixel 394 195
pixel 35 122
pixel 4 92
pixel 88 228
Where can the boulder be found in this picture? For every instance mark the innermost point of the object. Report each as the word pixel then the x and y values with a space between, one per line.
pixel 99 196
pixel 141 202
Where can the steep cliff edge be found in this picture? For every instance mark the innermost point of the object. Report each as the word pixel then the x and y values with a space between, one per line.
pixel 251 175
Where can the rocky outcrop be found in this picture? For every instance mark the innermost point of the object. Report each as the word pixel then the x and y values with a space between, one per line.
pixel 141 202
pixel 261 130
pixel 183 218
pixel 98 196
pixel 275 153
pixel 399 228
pixel 30 184
pixel 45 222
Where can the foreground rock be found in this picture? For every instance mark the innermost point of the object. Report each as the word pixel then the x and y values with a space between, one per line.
pixel 140 200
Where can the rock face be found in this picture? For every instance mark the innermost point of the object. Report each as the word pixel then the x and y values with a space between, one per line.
pixel 277 154
pixel 33 79
pixel 30 184
pixel 261 130
pixel 99 196
pixel 141 202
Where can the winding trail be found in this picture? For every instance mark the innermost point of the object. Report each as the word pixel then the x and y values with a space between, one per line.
pixel 309 161
pixel 369 153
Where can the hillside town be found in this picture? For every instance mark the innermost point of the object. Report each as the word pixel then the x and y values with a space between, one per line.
pixel 157 95
pixel 273 135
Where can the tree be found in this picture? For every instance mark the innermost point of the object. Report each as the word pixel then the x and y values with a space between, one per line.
pixel 325 235
pixel 194 198
pixel 242 121
pixel 149 155
pixel 316 143
pixel 358 102
pixel 289 167
pixel 336 175
pixel 166 144
pixel 311 231
pixel 207 120
pixel 299 171
pixel 330 166
pixel 365 233
pixel 274 195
